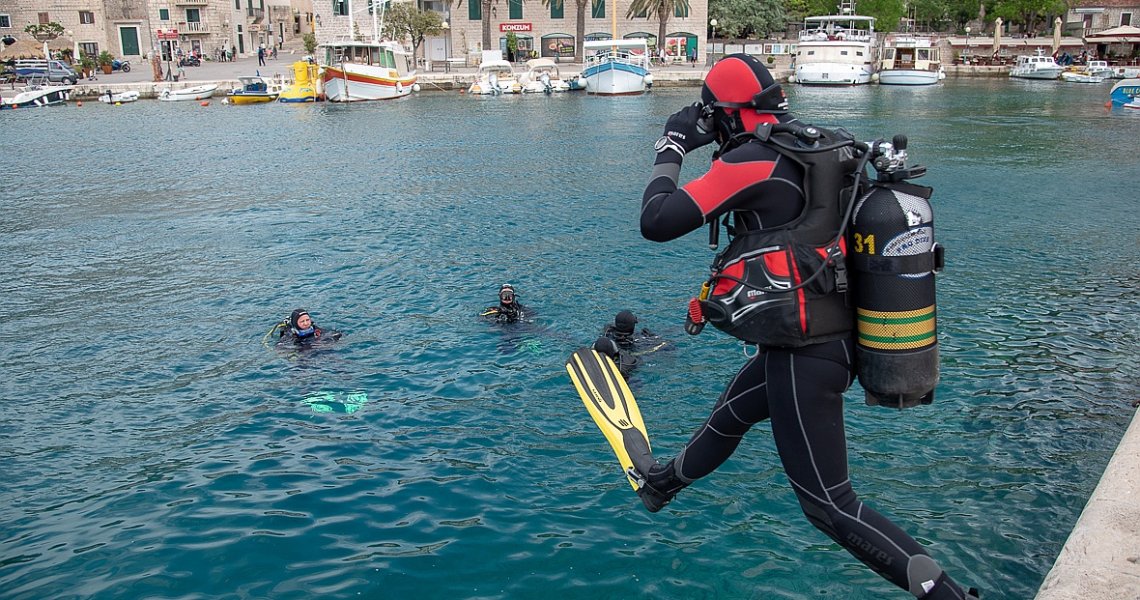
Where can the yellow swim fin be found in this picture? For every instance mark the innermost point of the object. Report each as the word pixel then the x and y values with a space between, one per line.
pixel 607 397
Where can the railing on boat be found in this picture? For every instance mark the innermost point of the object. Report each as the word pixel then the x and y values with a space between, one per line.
pixel 618 56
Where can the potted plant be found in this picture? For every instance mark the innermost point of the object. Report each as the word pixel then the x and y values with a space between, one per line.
pixel 105 60
pixel 512 45
pixel 86 65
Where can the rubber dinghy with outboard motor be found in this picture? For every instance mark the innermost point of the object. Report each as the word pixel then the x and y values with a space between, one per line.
pixel 119 97
pixel 200 92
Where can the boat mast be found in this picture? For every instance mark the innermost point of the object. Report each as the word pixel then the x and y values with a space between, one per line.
pixel 376 24
pixel 613 26
pixel 351 25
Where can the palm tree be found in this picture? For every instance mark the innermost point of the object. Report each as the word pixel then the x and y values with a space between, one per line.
pixel 662 9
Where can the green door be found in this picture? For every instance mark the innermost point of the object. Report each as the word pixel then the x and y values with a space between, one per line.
pixel 129 37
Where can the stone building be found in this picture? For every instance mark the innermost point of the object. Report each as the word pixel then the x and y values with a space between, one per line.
pixel 1092 16
pixel 133 28
pixel 545 30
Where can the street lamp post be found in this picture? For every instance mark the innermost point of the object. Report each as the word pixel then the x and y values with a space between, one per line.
pixel 447 43
pixel 712 50
pixel 967 60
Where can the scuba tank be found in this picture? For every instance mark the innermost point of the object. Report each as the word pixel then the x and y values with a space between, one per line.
pixel 894 259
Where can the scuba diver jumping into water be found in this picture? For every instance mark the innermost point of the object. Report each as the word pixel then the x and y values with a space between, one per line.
pixel 776 206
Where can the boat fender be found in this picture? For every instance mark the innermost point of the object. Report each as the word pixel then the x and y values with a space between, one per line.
pixel 399 88
pixel 649 79
pixel 415 87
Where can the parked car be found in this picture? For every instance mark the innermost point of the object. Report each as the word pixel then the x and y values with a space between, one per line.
pixel 53 70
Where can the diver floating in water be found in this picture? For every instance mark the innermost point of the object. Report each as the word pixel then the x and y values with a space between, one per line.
pixel 300 330
pixel 625 345
pixel 509 310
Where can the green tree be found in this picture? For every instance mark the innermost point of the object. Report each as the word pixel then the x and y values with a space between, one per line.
pixel 1030 15
pixel 404 19
pixel 45 31
pixel 749 18
pixel 310 41
pixel 659 9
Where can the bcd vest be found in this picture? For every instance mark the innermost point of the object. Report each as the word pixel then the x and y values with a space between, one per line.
pixel 787 285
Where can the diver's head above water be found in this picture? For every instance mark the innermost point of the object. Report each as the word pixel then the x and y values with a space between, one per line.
pixel 301 323
pixel 507 295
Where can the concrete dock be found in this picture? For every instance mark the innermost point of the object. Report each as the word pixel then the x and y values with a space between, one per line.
pixel 1101 559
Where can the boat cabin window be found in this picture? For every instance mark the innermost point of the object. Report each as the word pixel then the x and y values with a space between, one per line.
pixel 889 54
pixel 924 54
pixel 843 53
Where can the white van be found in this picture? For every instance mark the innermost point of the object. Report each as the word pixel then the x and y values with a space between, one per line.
pixel 54 70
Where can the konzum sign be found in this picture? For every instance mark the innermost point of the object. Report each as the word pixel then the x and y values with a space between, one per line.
pixel 505 27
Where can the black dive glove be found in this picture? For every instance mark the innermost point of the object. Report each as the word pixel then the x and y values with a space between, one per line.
pixel 684 132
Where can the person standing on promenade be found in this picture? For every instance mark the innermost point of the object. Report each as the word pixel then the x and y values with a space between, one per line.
pixel 261 55
pixel 796 385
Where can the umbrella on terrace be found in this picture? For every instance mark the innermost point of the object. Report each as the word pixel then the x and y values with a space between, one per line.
pixel 997 36
pixel 1056 34
pixel 29 48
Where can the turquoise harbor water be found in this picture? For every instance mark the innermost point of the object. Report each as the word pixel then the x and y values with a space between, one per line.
pixel 152 447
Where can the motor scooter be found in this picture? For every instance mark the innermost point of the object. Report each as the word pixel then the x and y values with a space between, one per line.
pixel 121 65
pixel 190 60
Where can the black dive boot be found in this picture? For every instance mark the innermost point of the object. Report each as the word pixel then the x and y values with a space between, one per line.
pixel 661 484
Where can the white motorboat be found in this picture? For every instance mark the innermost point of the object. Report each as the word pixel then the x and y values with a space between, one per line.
pixel 1099 67
pixel 617 67
pixel 198 92
pixel 910 60
pixel 836 49
pixel 1125 72
pixel 495 76
pixel 1037 66
pixel 542 77
pixel 36 95
pixel 119 97
pixel 1081 77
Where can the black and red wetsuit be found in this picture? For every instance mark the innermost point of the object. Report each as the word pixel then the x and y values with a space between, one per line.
pixel 800 390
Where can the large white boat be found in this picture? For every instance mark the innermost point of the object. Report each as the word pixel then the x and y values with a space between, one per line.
pixel 836 49
pixel 910 60
pixel 366 69
pixel 617 67
pixel 1037 66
